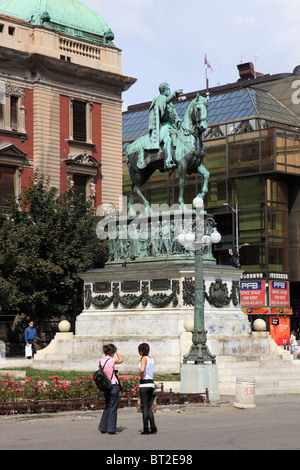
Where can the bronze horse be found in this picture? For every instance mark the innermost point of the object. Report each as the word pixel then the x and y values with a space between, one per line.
pixel 188 155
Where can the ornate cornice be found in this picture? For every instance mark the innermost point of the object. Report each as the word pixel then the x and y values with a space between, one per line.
pixel 14 90
pixel 83 159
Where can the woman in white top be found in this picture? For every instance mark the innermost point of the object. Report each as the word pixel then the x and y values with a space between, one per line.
pixel 146 388
pixel 294 344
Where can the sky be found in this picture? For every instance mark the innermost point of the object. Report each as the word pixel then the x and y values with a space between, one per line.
pixel 166 40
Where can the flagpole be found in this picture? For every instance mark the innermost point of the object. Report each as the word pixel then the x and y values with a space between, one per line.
pixel 206 77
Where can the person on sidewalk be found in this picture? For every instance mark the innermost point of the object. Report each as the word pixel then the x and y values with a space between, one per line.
pixel 30 336
pixel 108 422
pixel 146 388
pixel 294 344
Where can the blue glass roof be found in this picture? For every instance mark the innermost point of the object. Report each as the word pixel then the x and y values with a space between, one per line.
pixel 224 107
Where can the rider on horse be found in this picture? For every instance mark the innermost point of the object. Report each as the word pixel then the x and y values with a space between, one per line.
pixel 163 123
pixel 154 151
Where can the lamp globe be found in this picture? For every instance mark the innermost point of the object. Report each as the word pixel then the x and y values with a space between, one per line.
pixel 215 236
pixel 198 202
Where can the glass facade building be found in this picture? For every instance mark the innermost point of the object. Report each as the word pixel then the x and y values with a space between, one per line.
pixel 253 156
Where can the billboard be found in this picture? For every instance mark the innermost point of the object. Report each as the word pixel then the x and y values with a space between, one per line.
pixel 253 293
pixel 279 294
pixel 280 329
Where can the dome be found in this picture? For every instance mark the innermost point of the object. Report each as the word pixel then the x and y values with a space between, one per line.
pixel 71 17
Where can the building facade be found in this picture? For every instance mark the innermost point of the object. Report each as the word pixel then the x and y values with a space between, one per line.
pixel 61 87
pixel 253 156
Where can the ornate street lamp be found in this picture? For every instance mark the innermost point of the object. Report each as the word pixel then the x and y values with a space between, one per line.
pixel 205 234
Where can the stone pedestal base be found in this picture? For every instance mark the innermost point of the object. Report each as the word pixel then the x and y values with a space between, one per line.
pixel 51 349
pixel 150 303
pixel 196 378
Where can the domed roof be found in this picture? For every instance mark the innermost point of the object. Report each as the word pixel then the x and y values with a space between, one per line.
pixel 69 16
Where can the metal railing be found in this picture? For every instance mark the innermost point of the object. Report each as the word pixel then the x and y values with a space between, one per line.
pixel 83 403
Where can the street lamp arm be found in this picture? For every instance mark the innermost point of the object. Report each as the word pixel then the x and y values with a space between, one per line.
pixel 235 210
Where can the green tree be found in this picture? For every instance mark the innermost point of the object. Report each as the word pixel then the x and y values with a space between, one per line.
pixel 47 239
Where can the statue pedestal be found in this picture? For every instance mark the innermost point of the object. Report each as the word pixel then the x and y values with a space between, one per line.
pixel 150 303
pixel 195 378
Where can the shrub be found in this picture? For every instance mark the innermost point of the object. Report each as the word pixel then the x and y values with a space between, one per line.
pixel 35 388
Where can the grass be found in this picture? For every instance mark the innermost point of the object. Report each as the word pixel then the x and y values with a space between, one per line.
pixel 71 374
pixel 45 374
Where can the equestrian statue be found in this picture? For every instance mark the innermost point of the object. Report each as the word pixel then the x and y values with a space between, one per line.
pixel 170 143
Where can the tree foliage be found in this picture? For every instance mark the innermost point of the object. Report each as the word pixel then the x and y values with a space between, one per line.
pixel 47 239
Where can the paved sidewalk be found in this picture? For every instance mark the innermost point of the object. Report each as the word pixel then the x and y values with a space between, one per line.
pixel 273 425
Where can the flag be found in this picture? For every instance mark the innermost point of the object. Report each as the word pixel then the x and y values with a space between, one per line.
pixel 207 64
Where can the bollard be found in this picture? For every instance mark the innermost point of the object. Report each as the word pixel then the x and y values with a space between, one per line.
pixel 245 393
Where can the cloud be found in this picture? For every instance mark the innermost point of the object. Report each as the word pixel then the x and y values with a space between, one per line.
pixel 242 19
pixel 161 41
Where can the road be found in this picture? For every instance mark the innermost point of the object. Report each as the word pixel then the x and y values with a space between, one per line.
pixel 272 425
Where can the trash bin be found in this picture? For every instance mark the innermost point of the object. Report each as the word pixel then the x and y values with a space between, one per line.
pixel 245 392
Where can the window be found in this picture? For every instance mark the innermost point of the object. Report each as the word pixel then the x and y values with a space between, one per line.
pixel 292 151
pixel 82 169
pixel 11 30
pixel 249 190
pixel 1 116
pixel 80 182
pixel 277 194
pixel 267 149
pixel 7 184
pixel 278 258
pixel 65 58
pixel 217 193
pixel 243 154
pixel 12 161
pixel 79 121
pixel 253 258
pixel 12 108
pixel 277 225
pixel 251 226
pixel 14 101
pixel 215 160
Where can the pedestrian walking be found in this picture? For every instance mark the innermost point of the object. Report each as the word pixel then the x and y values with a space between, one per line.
pixel 146 388
pixel 30 336
pixel 108 422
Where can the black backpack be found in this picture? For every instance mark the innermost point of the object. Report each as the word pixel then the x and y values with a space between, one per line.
pixel 101 379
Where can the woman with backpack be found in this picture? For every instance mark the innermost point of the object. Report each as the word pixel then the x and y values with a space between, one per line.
pixel 108 422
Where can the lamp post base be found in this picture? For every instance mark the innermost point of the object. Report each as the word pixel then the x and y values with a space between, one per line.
pixel 196 378
pixel 199 352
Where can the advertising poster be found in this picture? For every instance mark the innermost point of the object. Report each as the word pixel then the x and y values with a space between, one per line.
pixel 280 330
pixel 253 293
pixel 256 311
pixel 281 311
pixel 279 294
